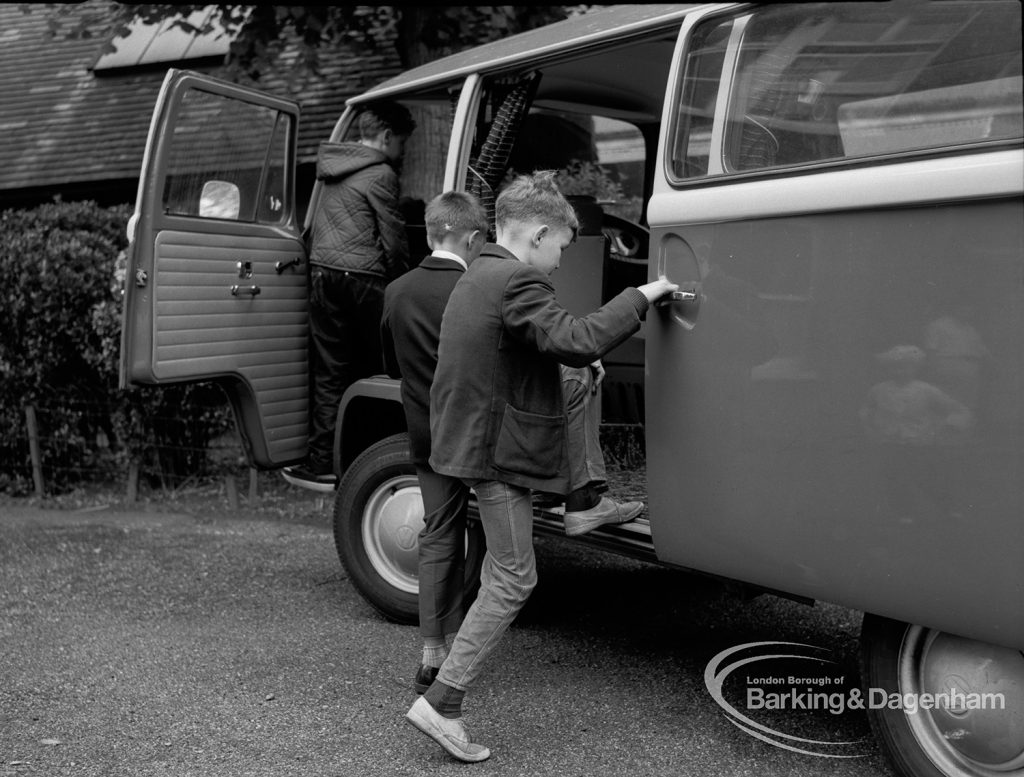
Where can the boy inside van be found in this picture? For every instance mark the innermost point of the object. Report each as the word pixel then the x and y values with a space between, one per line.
pixel 357 245
pixel 498 417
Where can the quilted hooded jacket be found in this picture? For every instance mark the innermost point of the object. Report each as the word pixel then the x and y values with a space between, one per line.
pixel 358 225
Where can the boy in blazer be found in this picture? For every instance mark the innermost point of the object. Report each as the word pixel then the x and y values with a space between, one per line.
pixel 498 417
pixel 410 330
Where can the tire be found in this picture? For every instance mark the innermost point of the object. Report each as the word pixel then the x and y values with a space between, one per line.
pixel 378 514
pixel 900 658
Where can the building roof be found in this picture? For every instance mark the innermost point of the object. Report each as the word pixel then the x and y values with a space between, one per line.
pixel 63 123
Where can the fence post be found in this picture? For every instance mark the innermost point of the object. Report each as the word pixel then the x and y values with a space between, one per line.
pixel 33 448
pixel 232 491
pixel 133 481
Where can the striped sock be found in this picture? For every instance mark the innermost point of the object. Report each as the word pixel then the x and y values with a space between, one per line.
pixel 445 699
pixel 434 652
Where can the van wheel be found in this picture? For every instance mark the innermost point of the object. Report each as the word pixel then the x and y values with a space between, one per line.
pixel 378 515
pixel 900 663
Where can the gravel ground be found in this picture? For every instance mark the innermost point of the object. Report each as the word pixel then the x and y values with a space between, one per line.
pixel 181 637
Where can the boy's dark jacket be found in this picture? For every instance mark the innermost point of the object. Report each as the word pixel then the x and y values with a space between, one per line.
pixel 410 329
pixel 496 405
pixel 358 225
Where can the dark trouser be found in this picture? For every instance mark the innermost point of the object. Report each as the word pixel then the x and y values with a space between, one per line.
pixel 344 327
pixel 442 552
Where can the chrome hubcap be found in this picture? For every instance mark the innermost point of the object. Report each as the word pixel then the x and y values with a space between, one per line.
pixel 976 724
pixel 392 521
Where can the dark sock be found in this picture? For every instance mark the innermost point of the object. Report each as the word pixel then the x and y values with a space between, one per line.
pixel 445 699
pixel 582 499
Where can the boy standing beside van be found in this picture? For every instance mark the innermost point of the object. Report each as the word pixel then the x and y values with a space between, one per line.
pixel 357 245
pixel 410 330
pixel 498 420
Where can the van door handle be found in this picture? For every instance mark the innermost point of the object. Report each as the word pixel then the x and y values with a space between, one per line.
pixel 238 290
pixel 281 266
pixel 677 296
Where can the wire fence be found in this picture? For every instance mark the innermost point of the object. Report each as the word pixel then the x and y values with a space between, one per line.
pixel 64 445
pixel 132 452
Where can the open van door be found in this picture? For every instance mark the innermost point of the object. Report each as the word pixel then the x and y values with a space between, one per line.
pixel 216 283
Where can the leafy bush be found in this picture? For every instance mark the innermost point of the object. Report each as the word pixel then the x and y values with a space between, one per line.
pixel 61 275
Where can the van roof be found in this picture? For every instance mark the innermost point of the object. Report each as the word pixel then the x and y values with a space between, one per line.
pixel 575 33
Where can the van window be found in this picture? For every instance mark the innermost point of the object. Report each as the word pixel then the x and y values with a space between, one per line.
pixel 594 117
pixel 595 156
pixel 692 148
pixel 594 121
pixel 834 81
pixel 227 160
pixel 622 156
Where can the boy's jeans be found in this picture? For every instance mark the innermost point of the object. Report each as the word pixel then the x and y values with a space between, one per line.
pixel 509 570
pixel 508 576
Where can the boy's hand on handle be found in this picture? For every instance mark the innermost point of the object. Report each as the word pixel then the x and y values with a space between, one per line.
pixel 655 290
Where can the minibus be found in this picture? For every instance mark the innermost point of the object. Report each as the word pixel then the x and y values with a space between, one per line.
pixel 834 411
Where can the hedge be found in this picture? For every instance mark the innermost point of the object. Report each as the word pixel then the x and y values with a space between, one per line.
pixel 61 275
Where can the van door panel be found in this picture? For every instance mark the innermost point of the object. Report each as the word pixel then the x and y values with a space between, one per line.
pixel 206 323
pixel 844 418
pixel 203 331
pixel 218 275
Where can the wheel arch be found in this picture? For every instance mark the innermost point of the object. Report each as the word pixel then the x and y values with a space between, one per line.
pixel 369 411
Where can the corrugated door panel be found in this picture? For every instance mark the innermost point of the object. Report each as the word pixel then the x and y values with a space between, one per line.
pixel 202 330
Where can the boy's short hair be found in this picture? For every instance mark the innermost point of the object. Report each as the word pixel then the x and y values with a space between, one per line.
pixel 535 198
pixel 385 116
pixel 454 212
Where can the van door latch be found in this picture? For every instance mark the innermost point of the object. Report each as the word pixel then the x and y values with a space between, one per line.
pixel 250 290
pixel 677 296
pixel 282 266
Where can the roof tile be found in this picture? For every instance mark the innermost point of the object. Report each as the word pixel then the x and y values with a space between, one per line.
pixel 62 123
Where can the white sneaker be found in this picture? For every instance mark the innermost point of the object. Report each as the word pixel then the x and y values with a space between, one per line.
pixel 605 512
pixel 450 733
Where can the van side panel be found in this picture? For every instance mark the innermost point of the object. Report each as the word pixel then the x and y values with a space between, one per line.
pixel 842 416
